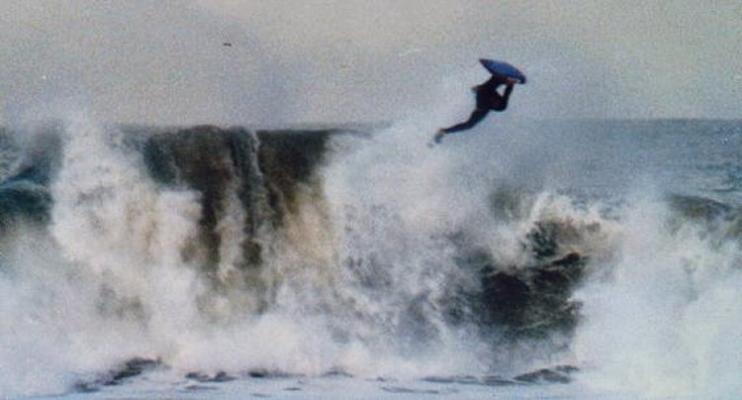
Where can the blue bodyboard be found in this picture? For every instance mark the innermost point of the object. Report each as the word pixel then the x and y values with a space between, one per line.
pixel 502 68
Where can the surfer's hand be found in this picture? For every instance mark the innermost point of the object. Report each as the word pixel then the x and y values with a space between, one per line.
pixel 511 81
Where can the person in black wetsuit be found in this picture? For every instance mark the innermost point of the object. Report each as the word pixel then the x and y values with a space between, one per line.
pixel 488 99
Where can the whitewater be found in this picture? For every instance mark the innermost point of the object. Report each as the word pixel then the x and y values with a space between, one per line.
pixel 550 259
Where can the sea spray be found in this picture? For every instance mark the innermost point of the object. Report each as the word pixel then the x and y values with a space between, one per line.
pixel 660 320
pixel 205 250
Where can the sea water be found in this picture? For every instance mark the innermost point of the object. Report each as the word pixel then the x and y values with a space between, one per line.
pixel 523 259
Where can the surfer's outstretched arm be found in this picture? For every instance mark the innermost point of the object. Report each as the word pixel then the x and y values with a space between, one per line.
pixel 500 103
pixel 508 90
pixel 476 116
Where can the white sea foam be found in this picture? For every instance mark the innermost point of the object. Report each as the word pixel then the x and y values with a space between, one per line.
pixel 663 320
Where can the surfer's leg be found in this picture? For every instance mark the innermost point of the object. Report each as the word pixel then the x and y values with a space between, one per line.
pixel 476 116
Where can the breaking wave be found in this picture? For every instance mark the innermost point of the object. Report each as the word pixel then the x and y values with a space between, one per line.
pixel 215 250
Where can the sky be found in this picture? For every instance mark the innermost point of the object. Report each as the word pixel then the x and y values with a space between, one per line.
pixel 340 61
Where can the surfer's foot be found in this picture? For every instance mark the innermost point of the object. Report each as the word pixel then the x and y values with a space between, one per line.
pixel 439 136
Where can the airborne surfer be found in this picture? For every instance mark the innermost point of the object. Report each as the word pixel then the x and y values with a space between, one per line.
pixel 488 98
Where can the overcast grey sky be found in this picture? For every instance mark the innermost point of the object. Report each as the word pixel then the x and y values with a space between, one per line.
pixel 348 60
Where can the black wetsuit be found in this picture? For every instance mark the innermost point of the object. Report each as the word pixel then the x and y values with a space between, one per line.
pixel 488 99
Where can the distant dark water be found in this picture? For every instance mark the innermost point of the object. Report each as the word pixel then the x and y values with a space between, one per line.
pixel 690 157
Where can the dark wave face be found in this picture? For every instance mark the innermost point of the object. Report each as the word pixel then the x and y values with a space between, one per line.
pixel 24 191
pixel 263 170
pixel 224 251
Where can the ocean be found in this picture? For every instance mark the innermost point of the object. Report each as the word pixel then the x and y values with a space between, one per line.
pixel 569 259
